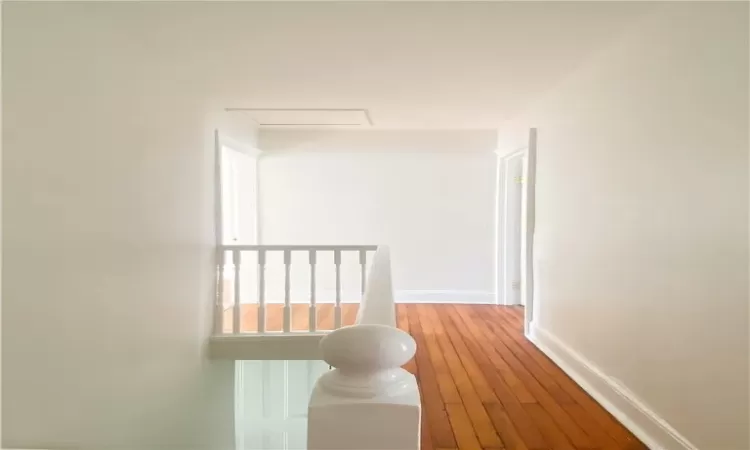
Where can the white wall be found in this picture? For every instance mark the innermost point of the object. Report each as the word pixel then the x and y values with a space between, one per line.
pixel 1 153
pixel 107 239
pixel 435 209
pixel 641 245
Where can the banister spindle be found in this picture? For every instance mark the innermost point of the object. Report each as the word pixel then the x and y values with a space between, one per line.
pixel 261 291
pixel 219 305
pixel 313 306
pixel 337 309
pixel 287 294
pixel 363 268
pixel 237 257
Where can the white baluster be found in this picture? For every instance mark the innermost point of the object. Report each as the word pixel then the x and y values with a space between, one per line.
pixel 287 294
pixel 237 256
pixel 261 291
pixel 313 306
pixel 337 310
pixel 219 305
pixel 363 268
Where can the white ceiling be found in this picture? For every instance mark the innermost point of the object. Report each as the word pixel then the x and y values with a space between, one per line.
pixel 307 118
pixel 443 65
pixel 419 65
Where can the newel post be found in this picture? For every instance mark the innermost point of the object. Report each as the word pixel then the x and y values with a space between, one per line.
pixel 368 401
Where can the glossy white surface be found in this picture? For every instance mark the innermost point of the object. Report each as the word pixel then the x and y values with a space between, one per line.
pixel 271 403
pixel 367 348
pixel 272 399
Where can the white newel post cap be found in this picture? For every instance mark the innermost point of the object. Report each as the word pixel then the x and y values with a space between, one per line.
pixel 368 359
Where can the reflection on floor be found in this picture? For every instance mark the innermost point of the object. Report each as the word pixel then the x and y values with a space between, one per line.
pixel 483 385
pixel 272 403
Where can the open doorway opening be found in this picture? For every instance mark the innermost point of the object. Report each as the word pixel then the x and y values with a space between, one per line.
pixel 513 171
pixel 237 212
pixel 516 173
pixel 239 193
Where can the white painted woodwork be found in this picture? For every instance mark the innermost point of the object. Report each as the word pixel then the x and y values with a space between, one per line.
pixel 236 259
pixel 266 346
pixel 528 209
pixel 287 293
pixel 343 248
pixel 337 309
pixel 239 193
pixel 515 225
pixel 313 309
pixel 219 300
pixel 367 385
pixel 512 228
pixel 363 268
pixel 231 290
pixel 261 291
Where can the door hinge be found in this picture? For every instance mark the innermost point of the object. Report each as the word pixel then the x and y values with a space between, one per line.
pixel 516 285
pixel 518 180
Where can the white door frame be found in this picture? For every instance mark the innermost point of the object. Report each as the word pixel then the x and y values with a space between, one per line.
pixel 511 227
pixel 222 140
pixel 528 150
pixel 236 148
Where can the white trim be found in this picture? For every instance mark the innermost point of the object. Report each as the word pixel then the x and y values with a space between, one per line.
pixel 632 412
pixel 527 151
pixel 320 248
pixel 248 149
pixel 328 297
pixel 218 235
pixel 528 222
pixel 499 228
pixel 508 220
pixel 266 346
pixel 258 238
pixel 445 296
pixel 511 140
pixel 518 151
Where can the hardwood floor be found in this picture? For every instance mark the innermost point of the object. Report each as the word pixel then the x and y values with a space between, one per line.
pixel 300 317
pixel 483 385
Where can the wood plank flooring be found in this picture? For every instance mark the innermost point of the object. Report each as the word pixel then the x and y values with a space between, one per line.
pixel 483 384
pixel 300 317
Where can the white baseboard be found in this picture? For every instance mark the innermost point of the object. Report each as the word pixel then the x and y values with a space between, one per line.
pixel 643 422
pixel 402 296
pixel 467 297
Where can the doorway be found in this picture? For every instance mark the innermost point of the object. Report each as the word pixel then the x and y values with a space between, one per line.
pixel 516 177
pixel 237 214
pixel 513 170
